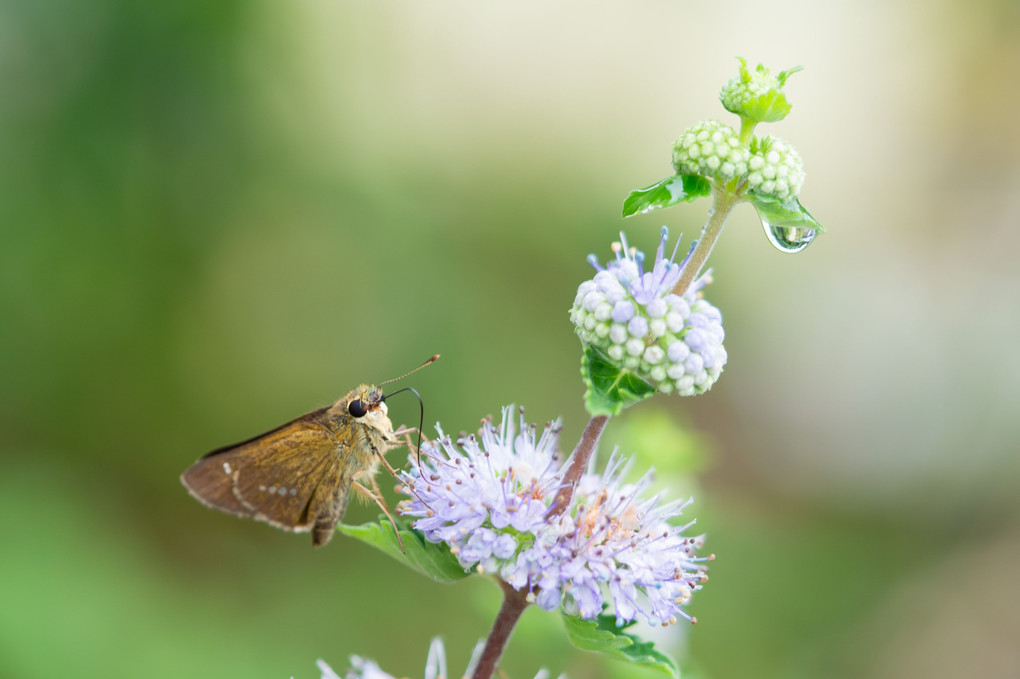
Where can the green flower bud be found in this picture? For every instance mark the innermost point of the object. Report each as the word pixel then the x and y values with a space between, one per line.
pixel 710 149
pixel 757 96
pixel 775 169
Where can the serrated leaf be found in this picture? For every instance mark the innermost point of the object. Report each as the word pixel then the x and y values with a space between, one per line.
pixel 433 560
pixel 681 188
pixel 790 214
pixel 610 388
pixel 602 635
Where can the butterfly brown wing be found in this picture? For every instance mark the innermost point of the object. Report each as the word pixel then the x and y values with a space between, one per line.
pixel 287 477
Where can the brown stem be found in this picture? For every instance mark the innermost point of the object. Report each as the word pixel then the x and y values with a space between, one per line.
pixel 514 603
pixel 578 464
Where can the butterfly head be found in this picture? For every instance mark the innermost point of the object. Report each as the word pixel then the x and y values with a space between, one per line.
pixel 366 406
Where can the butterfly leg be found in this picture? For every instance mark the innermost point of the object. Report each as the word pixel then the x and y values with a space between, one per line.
pixel 406 433
pixel 389 468
pixel 405 487
pixel 403 431
pixel 376 497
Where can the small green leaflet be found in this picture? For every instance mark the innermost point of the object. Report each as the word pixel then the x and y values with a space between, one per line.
pixel 427 558
pixel 602 635
pixel 670 191
pixel 610 389
pixel 789 214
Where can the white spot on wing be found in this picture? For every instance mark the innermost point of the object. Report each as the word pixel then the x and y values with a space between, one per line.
pixel 226 467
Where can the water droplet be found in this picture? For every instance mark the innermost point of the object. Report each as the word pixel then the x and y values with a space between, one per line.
pixel 789 238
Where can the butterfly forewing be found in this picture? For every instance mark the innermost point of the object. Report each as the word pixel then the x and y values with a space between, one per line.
pixel 284 477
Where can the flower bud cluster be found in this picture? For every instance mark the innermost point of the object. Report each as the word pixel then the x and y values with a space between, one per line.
pixel 710 149
pixel 776 169
pixel 757 96
pixel 673 342
pixel 736 94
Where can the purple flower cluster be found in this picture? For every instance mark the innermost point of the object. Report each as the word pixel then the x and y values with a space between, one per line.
pixel 489 499
pixel 632 316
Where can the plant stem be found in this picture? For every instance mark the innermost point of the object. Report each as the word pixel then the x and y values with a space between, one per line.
pixel 746 131
pixel 723 201
pixel 578 464
pixel 514 603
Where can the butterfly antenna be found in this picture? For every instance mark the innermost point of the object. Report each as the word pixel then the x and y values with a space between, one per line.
pixel 433 359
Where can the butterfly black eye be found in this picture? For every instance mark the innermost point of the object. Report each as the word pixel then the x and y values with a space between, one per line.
pixel 357 408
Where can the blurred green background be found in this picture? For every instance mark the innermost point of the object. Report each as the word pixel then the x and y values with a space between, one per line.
pixel 216 216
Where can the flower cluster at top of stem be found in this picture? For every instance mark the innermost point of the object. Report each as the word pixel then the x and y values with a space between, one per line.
pixel 632 316
pixel 489 498
pixel 757 97
pixel 737 161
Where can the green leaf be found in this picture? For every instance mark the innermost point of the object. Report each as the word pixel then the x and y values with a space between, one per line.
pixel 790 214
pixel 783 76
pixel 770 107
pixel 670 191
pixel 433 560
pixel 602 635
pixel 610 388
